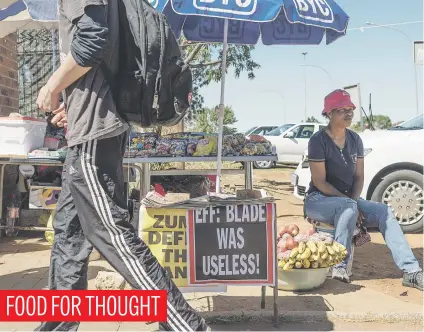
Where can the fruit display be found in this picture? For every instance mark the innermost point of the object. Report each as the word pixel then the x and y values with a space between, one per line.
pixel 307 250
pixel 195 145
pixel 239 145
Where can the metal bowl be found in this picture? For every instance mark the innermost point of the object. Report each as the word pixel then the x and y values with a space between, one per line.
pixel 301 279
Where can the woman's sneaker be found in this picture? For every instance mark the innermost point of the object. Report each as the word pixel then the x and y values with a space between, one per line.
pixel 340 273
pixel 413 280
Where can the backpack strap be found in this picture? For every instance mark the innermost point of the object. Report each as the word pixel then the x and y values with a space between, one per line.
pixel 107 73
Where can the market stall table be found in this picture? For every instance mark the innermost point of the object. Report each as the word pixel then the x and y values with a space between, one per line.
pixel 142 166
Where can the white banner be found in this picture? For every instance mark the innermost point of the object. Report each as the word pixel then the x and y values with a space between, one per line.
pixel 418 53
pixel 353 90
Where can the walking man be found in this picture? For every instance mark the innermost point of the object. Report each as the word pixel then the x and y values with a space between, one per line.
pixel 92 208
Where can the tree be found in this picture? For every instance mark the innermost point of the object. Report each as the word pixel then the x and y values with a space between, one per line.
pixel 206 121
pixel 205 63
pixel 312 119
pixel 378 122
pixel 381 122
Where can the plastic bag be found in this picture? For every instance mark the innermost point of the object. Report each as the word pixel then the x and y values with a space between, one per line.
pixel 163 147
pixel 260 149
pixel 249 149
pixel 143 141
pixel 204 147
pixel 178 147
pixel 191 146
pixel 228 151
pixel 257 139
pixel 240 138
pixel 213 141
pixel 268 147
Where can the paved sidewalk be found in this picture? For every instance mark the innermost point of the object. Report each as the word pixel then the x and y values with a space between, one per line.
pixel 24 265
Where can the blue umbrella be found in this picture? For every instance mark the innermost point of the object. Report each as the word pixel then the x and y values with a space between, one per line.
pixel 26 14
pixel 275 22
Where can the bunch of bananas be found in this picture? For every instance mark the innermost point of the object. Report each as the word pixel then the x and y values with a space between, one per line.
pixel 313 255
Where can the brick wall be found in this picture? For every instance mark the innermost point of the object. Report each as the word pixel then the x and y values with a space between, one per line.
pixel 9 89
pixel 9 100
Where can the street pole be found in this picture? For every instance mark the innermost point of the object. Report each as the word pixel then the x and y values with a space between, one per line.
pixel 325 71
pixel 415 67
pixel 304 73
pixel 416 86
pixel 361 117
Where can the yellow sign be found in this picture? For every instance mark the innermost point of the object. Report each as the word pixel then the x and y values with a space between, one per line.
pixel 164 231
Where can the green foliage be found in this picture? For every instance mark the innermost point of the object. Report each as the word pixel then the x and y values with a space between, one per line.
pixel 379 122
pixel 206 121
pixel 206 65
pixel 312 119
pixel 382 122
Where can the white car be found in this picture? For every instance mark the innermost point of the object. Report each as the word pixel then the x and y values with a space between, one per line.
pixel 393 172
pixel 260 130
pixel 290 142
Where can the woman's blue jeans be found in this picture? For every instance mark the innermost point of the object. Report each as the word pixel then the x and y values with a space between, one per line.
pixel 342 213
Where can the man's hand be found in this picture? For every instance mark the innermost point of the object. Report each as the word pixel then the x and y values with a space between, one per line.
pixel 60 118
pixel 47 100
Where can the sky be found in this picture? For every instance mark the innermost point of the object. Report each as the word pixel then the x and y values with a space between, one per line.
pixel 380 59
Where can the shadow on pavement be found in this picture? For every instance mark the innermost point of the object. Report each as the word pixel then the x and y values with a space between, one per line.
pixel 223 303
pixel 267 326
pixel 37 274
pixel 334 287
pixel 374 261
pixel 27 241
pixel 239 304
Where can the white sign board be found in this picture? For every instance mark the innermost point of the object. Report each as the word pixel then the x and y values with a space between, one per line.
pixel 418 53
pixel 353 90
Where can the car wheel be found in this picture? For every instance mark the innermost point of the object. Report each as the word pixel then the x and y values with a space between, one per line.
pixel 402 191
pixel 263 164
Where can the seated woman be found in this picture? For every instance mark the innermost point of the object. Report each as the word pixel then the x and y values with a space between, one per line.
pixel 336 158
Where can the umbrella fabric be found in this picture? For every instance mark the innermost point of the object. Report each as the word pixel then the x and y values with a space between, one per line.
pixel 27 14
pixel 275 22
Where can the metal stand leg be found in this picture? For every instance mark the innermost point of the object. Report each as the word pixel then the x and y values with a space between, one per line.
pixel 2 166
pixel 263 295
pixel 248 183
pixel 276 315
pixel 145 183
pixel 248 175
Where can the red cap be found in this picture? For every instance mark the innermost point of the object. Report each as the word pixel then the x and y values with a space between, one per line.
pixel 337 99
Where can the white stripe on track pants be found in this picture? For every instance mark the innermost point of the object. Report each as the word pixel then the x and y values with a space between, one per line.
pixel 92 211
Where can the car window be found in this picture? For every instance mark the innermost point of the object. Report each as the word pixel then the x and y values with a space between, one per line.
pixel 261 130
pixel 268 129
pixel 415 123
pixel 278 131
pixel 257 131
pixel 305 131
pixel 250 130
pixel 295 130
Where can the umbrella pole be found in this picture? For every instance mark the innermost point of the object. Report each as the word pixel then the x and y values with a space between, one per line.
pixel 221 108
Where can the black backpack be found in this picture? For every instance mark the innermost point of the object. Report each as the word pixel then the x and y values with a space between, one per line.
pixel 153 85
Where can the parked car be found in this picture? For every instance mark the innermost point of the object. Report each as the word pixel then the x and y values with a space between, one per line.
pixel 290 142
pixel 259 130
pixel 393 172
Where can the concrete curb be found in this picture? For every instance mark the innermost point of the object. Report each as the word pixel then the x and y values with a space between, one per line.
pixel 311 316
